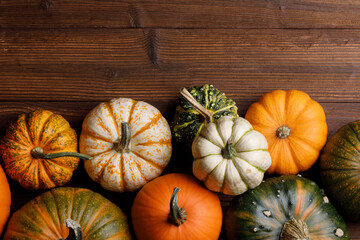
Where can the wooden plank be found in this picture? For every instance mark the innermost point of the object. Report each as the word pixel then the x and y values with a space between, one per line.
pixel 180 14
pixel 154 64
pixel 338 114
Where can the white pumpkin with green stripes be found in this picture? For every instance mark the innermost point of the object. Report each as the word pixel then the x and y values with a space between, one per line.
pixel 230 156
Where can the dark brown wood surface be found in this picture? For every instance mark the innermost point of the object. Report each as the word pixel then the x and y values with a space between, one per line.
pixel 68 56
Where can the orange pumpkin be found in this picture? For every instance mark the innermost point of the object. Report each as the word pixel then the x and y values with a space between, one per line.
pixel 5 200
pixel 176 206
pixel 294 126
pixel 39 150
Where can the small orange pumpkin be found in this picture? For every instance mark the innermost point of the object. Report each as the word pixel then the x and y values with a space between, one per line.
pixel 294 126
pixel 158 214
pixel 5 200
pixel 39 150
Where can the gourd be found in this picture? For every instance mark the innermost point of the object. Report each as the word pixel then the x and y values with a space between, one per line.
pixel 176 206
pixel 68 213
pixel 129 142
pixel 230 156
pixel 286 207
pixel 5 200
pixel 340 168
pixel 39 150
pixel 294 126
pixel 198 106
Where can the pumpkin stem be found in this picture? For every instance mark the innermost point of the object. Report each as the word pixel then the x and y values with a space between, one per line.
pixel 75 231
pixel 229 151
pixel 283 132
pixel 207 115
pixel 295 229
pixel 121 145
pixel 38 152
pixel 177 214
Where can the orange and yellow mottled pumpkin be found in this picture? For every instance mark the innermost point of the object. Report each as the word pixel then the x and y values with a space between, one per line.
pixel 39 150
pixel 129 142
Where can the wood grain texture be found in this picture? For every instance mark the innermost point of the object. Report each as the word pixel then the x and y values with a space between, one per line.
pixel 154 64
pixel 180 14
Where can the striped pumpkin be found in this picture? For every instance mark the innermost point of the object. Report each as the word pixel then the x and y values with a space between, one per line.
pixel 230 156
pixel 129 142
pixel 286 207
pixel 46 217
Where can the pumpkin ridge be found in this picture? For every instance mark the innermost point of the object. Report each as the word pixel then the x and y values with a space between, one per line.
pixel 19 175
pixel 350 143
pixel 241 178
pixel 35 222
pixel 41 165
pixel 121 167
pixel 147 125
pixel 103 225
pixel 83 208
pixel 103 168
pixel 356 135
pixel 148 143
pixel 251 129
pixel 117 236
pixel 132 110
pixel 27 235
pixel 335 154
pixel 139 168
pixel 226 167
pixel 254 150
pixel 54 136
pixel 217 130
pixel 202 136
pixel 7 140
pixel 57 210
pixel 90 134
pixel 147 160
pixel 53 161
pixel 292 152
pixel 104 126
pixel 41 132
pixel 27 129
pixel 94 218
pixel 355 132
pixel 305 106
pixel 256 167
pixel 52 228
pixel 99 153
pixel 111 111
pixel 208 175
pixel 202 157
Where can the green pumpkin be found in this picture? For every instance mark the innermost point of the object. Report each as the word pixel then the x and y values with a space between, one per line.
pixel 286 207
pixel 340 170
pixel 198 106
pixel 68 213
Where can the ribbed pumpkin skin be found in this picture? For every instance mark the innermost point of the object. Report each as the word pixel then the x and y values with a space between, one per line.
pixel 152 206
pixel 187 122
pixel 340 169
pixel 260 213
pixel 236 174
pixel 40 128
pixel 307 121
pixel 150 144
pixel 43 218
pixel 5 200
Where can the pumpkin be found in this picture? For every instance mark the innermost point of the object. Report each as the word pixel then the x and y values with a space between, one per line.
pixel 230 156
pixel 176 206
pixel 68 213
pixel 5 200
pixel 286 207
pixel 129 142
pixel 39 150
pixel 198 106
pixel 340 169
pixel 294 126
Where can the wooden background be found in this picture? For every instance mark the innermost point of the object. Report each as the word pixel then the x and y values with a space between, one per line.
pixel 67 56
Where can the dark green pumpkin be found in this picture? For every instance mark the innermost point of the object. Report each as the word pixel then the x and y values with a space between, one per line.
pixel 286 207
pixel 188 120
pixel 340 170
pixel 46 217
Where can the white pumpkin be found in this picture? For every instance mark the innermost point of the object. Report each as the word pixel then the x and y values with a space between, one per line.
pixel 230 156
pixel 129 142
